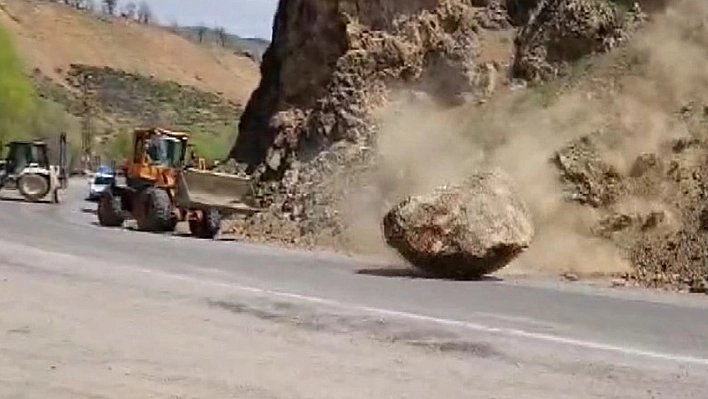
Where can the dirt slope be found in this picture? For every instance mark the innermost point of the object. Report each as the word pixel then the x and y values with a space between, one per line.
pixel 53 36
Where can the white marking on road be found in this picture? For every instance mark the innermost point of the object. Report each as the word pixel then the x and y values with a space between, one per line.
pixel 441 321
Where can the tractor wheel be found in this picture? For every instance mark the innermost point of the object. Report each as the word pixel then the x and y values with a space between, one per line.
pixel 33 187
pixel 208 227
pixel 110 212
pixel 157 210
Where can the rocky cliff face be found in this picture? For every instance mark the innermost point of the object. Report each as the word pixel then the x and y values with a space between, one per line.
pixel 331 62
pixel 308 130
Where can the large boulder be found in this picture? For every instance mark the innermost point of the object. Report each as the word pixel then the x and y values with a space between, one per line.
pixel 462 231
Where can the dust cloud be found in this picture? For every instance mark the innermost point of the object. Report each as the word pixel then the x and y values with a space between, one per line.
pixel 633 93
pixel 418 148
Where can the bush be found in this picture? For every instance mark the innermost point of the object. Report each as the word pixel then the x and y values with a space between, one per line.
pixel 23 113
pixel 214 143
pixel 17 94
pixel 120 147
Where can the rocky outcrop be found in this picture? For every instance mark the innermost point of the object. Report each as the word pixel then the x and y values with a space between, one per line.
pixel 332 61
pixel 462 231
pixel 586 177
pixel 559 32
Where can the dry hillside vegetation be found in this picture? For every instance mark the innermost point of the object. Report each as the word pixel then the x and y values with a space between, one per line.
pixel 52 37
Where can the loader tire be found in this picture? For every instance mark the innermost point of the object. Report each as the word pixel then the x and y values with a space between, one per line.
pixel 157 215
pixel 33 187
pixel 110 213
pixel 208 227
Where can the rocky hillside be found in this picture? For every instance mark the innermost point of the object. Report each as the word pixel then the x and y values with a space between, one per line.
pixel 331 63
pixel 584 102
pixel 452 50
pixel 139 74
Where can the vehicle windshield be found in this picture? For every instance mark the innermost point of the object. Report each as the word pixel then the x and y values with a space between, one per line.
pixel 166 151
pixel 23 154
pixel 102 180
pixel 105 170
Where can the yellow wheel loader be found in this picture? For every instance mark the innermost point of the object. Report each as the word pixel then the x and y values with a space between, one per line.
pixel 158 189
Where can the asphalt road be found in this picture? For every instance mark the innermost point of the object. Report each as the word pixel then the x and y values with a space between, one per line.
pixel 623 326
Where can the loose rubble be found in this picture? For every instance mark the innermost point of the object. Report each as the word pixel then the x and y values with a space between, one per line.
pixel 561 32
pixel 655 210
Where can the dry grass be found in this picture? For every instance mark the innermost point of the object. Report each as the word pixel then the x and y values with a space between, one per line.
pixel 51 37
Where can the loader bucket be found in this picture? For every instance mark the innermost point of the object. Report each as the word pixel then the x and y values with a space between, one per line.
pixel 203 189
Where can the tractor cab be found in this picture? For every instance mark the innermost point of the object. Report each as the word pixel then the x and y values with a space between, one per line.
pixel 24 154
pixel 26 167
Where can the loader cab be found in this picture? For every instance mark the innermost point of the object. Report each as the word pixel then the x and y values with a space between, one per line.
pixel 160 148
pixel 163 151
pixel 157 155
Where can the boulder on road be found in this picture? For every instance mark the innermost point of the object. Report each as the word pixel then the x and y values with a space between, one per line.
pixel 462 231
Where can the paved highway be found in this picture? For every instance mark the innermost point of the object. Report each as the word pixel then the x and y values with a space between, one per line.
pixel 545 322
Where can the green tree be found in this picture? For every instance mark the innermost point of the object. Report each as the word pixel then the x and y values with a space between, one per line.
pixel 145 15
pixel 17 94
pixel 201 32
pixel 110 6
pixel 221 35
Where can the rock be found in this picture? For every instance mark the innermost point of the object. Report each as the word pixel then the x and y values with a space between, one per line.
pixel 571 277
pixel 252 55
pixel 560 32
pixel 274 159
pixel 586 177
pixel 618 282
pixel 614 223
pixel 495 15
pixel 519 11
pixel 462 231
pixel 643 164
pixel 684 143
pixel 699 286
pixel 653 220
